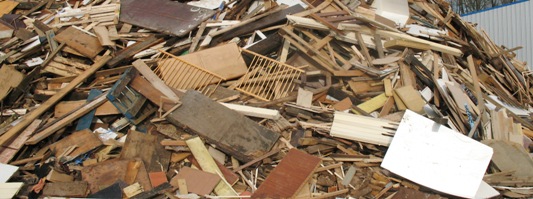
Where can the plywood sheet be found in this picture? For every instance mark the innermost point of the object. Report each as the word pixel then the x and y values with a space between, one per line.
pixel 85 140
pixel 510 156
pixel 104 174
pixel 411 98
pixel 139 145
pixel 421 152
pixel 169 17
pixel 198 182
pixel 10 79
pixel 7 6
pixel 85 44
pixel 224 60
pixel 232 132
pixel 66 189
pixel 289 176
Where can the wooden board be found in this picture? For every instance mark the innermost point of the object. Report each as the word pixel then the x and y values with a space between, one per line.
pixel 232 132
pixel 66 189
pixel 411 98
pixel 10 79
pixel 104 174
pixel 7 6
pixel 198 182
pixel 7 172
pixel 343 105
pixel 9 190
pixel 363 128
pixel 224 60
pixel 65 107
pixel 286 180
pixel 85 44
pixel 421 152
pixel 139 145
pixel 85 140
pixel 510 156
pixel 157 178
pixel 374 103
pixel 7 153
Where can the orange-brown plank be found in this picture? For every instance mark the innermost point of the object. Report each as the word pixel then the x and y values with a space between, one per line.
pixel 289 176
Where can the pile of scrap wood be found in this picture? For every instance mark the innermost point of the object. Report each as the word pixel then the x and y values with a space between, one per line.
pixel 260 99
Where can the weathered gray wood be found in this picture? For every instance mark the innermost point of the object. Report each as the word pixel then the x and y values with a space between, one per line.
pixel 231 131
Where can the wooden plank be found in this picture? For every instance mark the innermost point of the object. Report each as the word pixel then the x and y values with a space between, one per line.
pixel 64 107
pixel 304 98
pixel 8 152
pixel 86 121
pixel 29 118
pixel 126 53
pixel 411 98
pixel 154 80
pixel 103 36
pixel 7 6
pixel 11 79
pixel 84 140
pixel 208 164
pixel 254 112
pixel 299 165
pixel 198 182
pixel 374 103
pixel 343 105
pixel 66 189
pixel 232 132
pixel 9 190
pixel 511 157
pixel 402 44
pixel 225 60
pixel 62 122
pixel 78 40
pixel 104 174
pixel 139 145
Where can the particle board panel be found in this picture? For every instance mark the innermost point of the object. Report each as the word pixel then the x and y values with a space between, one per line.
pixel 291 174
pixel 198 182
pixel 157 178
pixel 169 17
pixel 85 140
pixel 232 132
pixel 104 174
pixel 66 189
pixel 420 151
pixel 510 156
pixel 224 60
pixel 85 44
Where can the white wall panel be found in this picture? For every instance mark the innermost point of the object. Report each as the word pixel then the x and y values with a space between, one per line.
pixel 509 25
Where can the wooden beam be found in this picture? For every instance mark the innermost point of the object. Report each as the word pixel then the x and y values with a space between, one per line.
pixel 68 119
pixel 29 118
pixel 155 80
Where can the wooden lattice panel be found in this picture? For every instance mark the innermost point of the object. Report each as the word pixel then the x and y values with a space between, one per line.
pixel 267 79
pixel 180 74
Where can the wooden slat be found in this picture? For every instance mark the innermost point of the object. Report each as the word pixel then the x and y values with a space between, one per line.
pixel 299 165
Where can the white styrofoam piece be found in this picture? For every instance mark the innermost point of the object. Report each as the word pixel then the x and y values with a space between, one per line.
pixel 6 171
pixel 437 157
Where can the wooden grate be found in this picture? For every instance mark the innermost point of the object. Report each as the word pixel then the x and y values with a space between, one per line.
pixel 267 79
pixel 180 74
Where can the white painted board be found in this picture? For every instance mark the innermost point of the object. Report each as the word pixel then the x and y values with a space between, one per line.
pixel 6 171
pixel 437 157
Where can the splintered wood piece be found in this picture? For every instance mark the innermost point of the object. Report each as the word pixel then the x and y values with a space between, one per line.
pixel 198 182
pixel 7 153
pixel 362 128
pixel 299 165
pixel 78 40
pixel 85 140
pixel 103 35
pixel 411 98
pixel 139 145
pixel 232 132
pixel 208 164
pixel 66 189
pixel 133 190
pixel 106 173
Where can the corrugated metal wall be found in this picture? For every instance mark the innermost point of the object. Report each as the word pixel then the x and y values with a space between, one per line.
pixel 509 25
